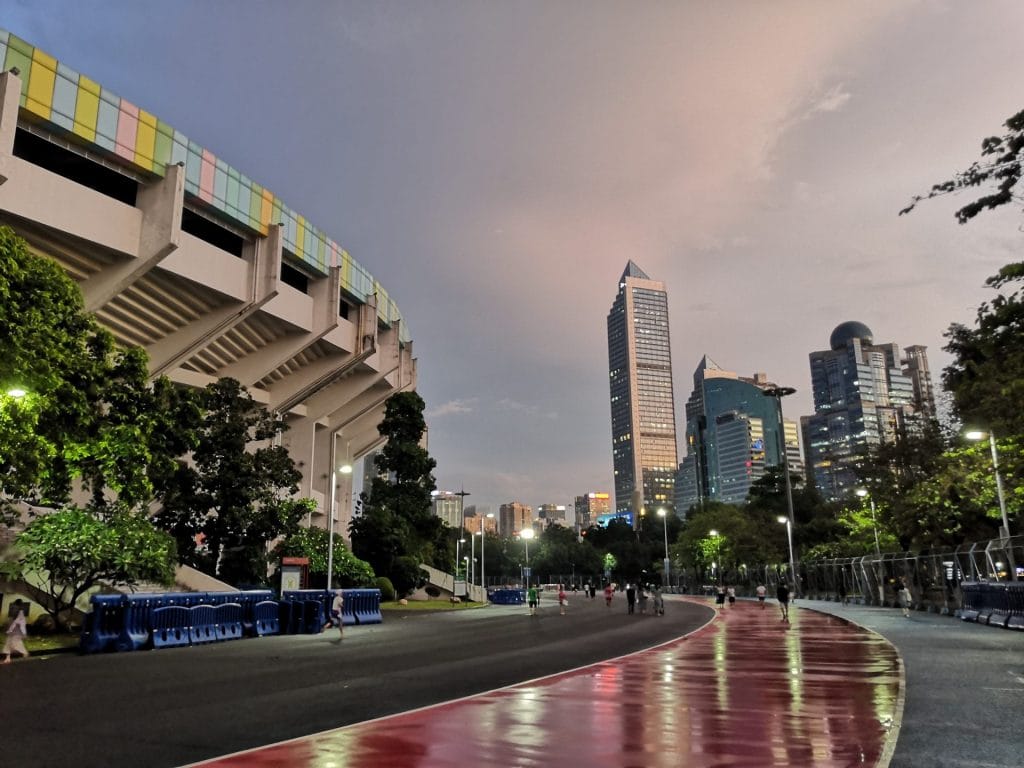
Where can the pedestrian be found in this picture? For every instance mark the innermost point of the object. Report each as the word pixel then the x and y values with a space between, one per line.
pixel 720 595
pixel 731 592
pixel 336 618
pixel 643 599
pixel 630 597
pixel 761 592
pixel 609 593
pixel 903 593
pixel 16 633
pixel 842 594
pixel 659 602
pixel 782 594
pixel 531 599
pixel 563 600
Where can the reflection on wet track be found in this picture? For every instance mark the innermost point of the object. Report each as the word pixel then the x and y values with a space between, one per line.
pixel 745 691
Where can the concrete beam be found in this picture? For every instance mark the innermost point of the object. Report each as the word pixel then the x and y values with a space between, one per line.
pixel 10 98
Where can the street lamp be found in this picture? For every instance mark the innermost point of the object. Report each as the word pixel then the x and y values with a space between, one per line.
pixel 778 393
pixel 345 469
pixel 862 492
pixel 789 536
pixel 664 518
pixel 718 549
pixel 976 434
pixel 526 534
pixel 17 392
pixel 483 553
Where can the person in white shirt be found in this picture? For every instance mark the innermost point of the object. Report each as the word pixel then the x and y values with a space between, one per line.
pixel 16 634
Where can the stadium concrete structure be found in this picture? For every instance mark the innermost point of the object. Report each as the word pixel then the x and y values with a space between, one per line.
pixel 208 271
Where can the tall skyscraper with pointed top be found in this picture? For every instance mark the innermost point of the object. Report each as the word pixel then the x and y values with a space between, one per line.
pixel 642 406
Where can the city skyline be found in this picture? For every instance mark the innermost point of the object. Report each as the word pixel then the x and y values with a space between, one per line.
pixel 494 166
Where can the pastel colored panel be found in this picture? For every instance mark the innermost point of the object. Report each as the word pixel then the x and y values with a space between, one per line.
pixel 266 210
pixel 127 130
pixel 42 77
pixel 220 183
pixel 206 173
pixel 193 164
pixel 145 141
pixel 163 148
pixel 19 54
pixel 65 94
pixel 106 120
pixel 87 107
pixel 300 237
pixel 179 150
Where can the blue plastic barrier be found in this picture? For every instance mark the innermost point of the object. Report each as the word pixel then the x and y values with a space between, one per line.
pixel 365 605
pixel 138 621
pixel 508 596
pixel 971 602
pixel 228 620
pixel 266 620
pixel 203 624
pixel 103 624
pixel 171 626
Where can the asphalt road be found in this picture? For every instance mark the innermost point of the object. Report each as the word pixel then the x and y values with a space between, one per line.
pixel 166 708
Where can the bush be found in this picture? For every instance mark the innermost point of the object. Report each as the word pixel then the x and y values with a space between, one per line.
pixel 387 589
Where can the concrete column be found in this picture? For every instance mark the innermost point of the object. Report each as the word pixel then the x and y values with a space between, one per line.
pixel 264 273
pixel 161 203
pixel 10 98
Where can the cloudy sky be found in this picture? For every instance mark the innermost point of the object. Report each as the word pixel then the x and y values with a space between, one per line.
pixel 495 164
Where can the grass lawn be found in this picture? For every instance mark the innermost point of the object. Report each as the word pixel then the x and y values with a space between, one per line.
pixel 428 605
pixel 42 643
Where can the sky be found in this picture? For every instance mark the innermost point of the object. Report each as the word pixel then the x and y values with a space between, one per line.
pixel 496 164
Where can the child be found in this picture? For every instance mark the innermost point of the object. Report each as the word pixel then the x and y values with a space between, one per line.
pixel 16 633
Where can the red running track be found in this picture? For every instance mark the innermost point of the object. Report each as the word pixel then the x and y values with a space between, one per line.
pixel 746 691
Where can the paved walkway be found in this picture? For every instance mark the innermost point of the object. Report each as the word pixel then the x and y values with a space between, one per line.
pixel 745 690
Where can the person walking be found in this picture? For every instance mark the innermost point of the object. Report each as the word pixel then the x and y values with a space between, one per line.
pixel 16 633
pixel 659 602
pixel 609 593
pixel 720 595
pixel 761 593
pixel 731 592
pixel 630 598
pixel 782 594
pixel 531 600
pixel 903 593
pixel 563 599
pixel 643 599
pixel 842 594
pixel 336 618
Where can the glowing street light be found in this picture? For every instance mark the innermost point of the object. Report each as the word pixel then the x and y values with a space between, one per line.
pixel 17 392
pixel 976 434
pixel 345 469
pixel 663 514
pixel 778 393
pixel 789 536
pixel 862 492
pixel 526 534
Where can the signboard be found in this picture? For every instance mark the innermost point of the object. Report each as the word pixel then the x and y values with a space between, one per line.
pixel 526 573
pixel 460 588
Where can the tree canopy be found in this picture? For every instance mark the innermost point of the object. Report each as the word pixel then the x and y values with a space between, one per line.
pixel 395 529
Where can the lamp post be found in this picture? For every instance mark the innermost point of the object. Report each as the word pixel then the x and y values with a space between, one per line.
pixel 789 536
pixel 526 534
pixel 718 552
pixel 663 514
pixel 778 393
pixel 472 557
pixel 862 492
pixel 344 469
pixel 483 553
pixel 976 434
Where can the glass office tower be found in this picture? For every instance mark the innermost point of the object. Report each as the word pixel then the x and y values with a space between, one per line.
pixel 642 406
pixel 863 396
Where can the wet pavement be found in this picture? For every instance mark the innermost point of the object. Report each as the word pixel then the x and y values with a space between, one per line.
pixel 745 690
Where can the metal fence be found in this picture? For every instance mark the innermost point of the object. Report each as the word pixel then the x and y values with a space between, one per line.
pixel 934 577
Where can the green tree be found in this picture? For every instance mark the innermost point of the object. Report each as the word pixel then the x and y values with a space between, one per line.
pixel 74 549
pixel 313 543
pixel 238 494
pixel 560 553
pixel 1000 166
pixel 88 411
pixel 986 377
pixel 395 529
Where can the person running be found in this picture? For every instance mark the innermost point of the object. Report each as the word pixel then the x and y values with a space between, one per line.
pixel 563 599
pixel 643 599
pixel 659 602
pixel 531 600
pixel 630 598
pixel 731 592
pixel 336 619
pixel 720 595
pixel 761 593
pixel 782 594
pixel 609 593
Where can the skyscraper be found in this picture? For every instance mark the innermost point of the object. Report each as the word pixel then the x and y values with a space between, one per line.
pixel 732 435
pixel 640 384
pixel 864 395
